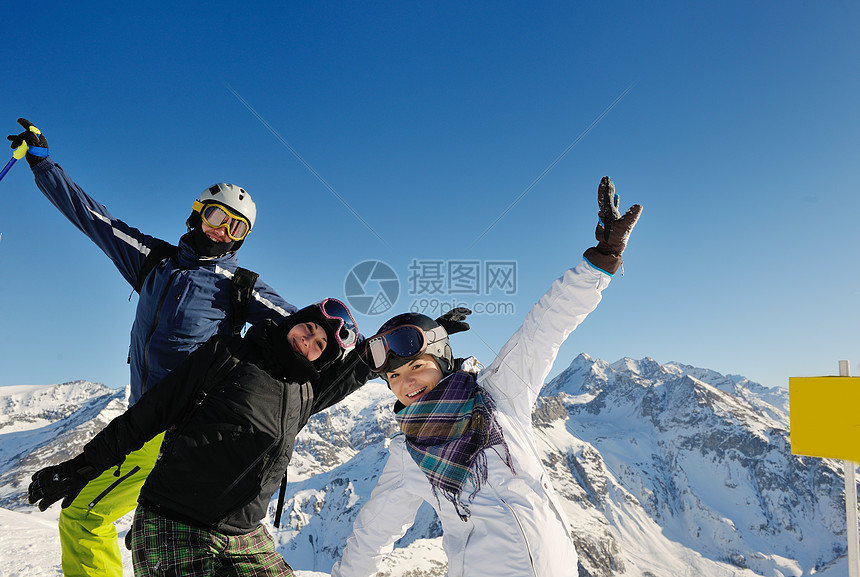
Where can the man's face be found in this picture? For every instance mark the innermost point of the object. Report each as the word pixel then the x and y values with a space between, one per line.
pixel 414 379
pixel 215 234
pixel 308 339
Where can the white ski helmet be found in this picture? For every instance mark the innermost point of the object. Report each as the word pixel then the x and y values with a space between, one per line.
pixel 230 196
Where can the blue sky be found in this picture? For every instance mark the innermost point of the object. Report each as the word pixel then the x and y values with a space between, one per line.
pixel 735 124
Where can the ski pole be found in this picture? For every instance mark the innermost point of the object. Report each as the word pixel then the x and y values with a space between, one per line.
pixel 18 154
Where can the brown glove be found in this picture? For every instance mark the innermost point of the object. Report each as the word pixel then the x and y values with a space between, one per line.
pixel 613 230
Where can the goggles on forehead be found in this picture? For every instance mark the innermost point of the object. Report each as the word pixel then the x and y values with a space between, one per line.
pixel 406 342
pixel 218 216
pixel 347 330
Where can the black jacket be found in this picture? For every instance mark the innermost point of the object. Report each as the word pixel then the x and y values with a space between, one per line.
pixel 232 416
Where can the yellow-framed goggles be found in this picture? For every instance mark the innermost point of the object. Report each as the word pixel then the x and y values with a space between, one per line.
pixel 219 216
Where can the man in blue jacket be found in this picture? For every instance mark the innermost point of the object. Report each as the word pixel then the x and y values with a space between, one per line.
pixel 187 295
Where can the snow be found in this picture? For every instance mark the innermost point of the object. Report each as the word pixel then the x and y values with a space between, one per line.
pixel 662 469
pixel 31 546
pixel 31 543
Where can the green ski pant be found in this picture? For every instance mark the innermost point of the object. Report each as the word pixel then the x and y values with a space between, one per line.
pixel 87 535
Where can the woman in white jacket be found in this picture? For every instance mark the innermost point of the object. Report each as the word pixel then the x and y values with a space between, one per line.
pixel 467 446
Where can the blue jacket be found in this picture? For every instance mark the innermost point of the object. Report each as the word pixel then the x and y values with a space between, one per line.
pixel 184 301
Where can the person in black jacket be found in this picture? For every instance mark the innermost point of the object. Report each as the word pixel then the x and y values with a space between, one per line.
pixel 188 293
pixel 231 428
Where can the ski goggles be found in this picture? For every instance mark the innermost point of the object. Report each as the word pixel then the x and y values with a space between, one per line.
pixel 406 342
pixel 347 329
pixel 218 216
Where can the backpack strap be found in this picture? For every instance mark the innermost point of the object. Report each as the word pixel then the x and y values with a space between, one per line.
pixel 307 395
pixel 156 254
pixel 240 297
pixel 281 495
pixel 240 292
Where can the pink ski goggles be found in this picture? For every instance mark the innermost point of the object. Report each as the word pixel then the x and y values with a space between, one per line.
pixel 347 330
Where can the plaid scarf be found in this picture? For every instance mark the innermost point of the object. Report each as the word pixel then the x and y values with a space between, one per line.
pixel 447 431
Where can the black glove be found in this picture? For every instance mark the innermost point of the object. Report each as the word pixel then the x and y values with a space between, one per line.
pixel 613 230
pixel 63 481
pixel 37 145
pixel 453 320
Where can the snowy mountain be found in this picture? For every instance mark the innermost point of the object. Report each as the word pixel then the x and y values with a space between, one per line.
pixel 42 426
pixel 664 470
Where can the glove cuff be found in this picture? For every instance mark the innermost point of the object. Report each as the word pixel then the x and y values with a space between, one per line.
pixel 35 155
pixel 605 262
pixel 83 468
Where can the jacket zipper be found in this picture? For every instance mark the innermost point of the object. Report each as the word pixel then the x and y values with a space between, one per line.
pixel 112 486
pixel 523 533
pixel 282 491
pixel 157 318
pixel 242 475
pixel 278 441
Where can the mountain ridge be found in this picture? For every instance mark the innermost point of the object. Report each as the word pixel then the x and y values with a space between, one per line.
pixel 662 469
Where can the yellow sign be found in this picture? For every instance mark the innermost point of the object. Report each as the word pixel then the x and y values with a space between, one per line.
pixel 825 417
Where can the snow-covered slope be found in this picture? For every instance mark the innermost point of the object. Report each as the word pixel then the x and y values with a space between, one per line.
pixel 42 426
pixel 664 470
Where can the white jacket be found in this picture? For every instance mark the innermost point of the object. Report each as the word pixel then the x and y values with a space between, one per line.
pixel 517 526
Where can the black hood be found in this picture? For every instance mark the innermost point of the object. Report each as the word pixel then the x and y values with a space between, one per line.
pixel 274 354
pixel 280 359
pixel 313 314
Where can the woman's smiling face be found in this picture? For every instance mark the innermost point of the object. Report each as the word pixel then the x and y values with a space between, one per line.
pixel 308 339
pixel 414 379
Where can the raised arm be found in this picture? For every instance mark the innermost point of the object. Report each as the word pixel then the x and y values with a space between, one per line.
pixel 126 246
pixel 343 378
pixel 517 374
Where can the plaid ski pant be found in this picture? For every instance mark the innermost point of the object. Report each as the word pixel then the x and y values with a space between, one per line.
pixel 164 548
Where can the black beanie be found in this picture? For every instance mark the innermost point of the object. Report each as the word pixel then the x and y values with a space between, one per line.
pixel 313 314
